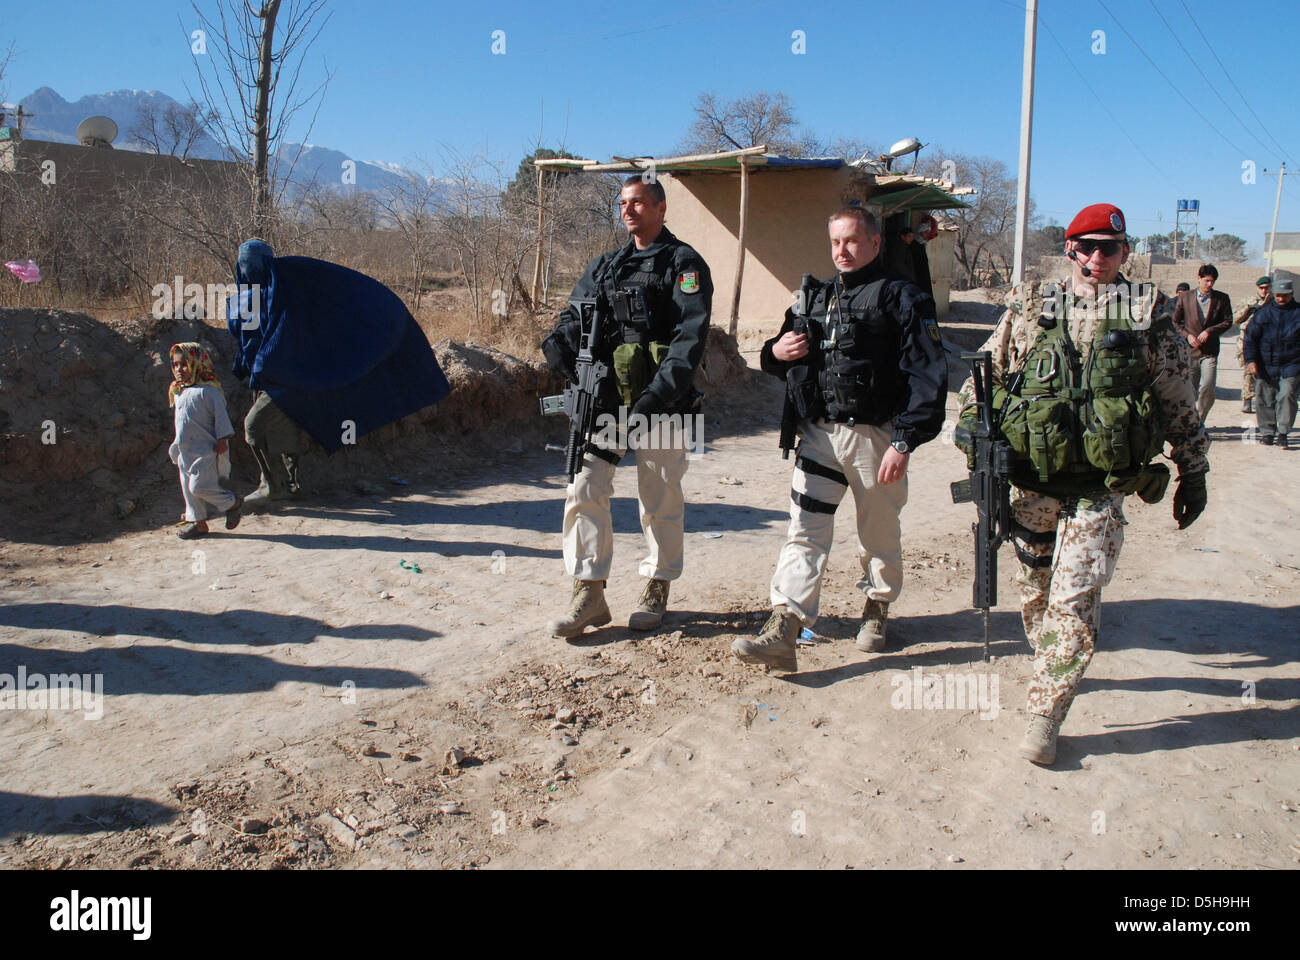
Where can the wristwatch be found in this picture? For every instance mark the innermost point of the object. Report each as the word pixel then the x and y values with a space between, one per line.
pixel 902 447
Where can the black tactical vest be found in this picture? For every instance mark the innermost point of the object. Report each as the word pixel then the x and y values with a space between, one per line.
pixel 642 326
pixel 658 294
pixel 855 355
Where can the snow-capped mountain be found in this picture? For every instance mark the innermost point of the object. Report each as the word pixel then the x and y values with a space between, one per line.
pixel 54 118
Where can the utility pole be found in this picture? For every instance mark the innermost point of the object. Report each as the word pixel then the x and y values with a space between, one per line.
pixel 1272 236
pixel 1026 135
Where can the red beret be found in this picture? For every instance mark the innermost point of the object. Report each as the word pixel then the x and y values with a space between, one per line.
pixel 1098 218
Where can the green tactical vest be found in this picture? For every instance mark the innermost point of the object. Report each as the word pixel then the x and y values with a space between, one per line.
pixel 1082 422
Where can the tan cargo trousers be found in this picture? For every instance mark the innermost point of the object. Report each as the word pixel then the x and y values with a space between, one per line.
pixel 833 458
pixel 589 528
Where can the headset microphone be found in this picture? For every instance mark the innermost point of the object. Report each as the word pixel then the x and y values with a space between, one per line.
pixel 1086 272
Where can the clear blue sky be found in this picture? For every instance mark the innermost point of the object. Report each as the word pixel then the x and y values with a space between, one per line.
pixel 409 76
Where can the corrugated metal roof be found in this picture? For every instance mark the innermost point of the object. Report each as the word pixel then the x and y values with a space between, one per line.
pixel 725 161
pixel 895 191
pixel 924 197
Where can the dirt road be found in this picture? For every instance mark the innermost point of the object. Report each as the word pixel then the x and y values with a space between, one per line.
pixel 288 694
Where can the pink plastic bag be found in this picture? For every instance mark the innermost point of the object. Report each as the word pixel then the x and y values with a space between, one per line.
pixel 27 272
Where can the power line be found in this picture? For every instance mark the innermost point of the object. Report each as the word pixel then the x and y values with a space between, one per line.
pixel 1097 98
pixel 1226 106
pixel 1165 77
pixel 587 38
pixel 1261 123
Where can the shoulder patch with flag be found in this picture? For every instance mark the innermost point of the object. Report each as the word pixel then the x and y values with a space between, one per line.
pixel 689 281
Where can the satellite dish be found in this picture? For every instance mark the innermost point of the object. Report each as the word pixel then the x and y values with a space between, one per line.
pixel 904 147
pixel 97 132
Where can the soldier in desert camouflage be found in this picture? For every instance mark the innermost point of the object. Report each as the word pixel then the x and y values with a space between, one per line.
pixel 1069 517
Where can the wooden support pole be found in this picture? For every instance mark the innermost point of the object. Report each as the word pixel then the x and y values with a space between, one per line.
pixel 740 252
pixel 541 236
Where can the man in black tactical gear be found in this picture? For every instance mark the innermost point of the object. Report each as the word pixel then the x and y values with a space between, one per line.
pixel 866 379
pixel 652 354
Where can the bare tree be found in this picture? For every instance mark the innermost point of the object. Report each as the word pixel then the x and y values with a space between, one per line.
pixel 488 240
pixel 334 210
pixel 984 239
pixel 175 131
pixel 850 148
pixel 252 85
pixel 748 121
pixel 581 209
pixel 409 207
pixel 5 57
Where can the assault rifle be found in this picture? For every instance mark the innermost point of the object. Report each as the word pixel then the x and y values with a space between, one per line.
pixel 790 413
pixel 988 487
pixel 578 401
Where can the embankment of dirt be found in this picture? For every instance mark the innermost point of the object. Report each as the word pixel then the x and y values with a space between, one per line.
pixel 85 426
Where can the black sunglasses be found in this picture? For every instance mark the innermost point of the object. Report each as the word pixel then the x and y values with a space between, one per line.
pixel 1108 248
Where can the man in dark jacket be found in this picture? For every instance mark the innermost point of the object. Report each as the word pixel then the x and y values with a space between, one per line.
pixel 1272 352
pixel 1265 287
pixel 1202 317
pixel 869 380
pixel 652 371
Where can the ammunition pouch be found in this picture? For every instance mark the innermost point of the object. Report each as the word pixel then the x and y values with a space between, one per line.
pixel 844 390
pixel 1084 428
pixel 635 364
pixel 1038 430
pixel 1152 482
pixel 802 391
pixel 968 422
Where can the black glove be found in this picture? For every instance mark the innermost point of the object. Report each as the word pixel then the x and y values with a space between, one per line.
pixel 561 353
pixel 648 404
pixel 1189 499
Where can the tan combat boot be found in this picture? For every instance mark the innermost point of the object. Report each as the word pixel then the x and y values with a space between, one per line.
pixel 775 644
pixel 587 608
pixel 871 635
pixel 652 606
pixel 1039 745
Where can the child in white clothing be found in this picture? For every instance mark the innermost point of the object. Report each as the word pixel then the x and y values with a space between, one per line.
pixel 202 429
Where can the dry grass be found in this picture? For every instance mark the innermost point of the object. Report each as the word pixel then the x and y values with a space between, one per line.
pixel 444 313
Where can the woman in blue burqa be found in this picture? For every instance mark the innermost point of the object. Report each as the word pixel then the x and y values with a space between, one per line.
pixel 326 349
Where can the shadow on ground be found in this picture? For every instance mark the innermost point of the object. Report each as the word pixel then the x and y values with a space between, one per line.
pixel 183 672
pixel 24 813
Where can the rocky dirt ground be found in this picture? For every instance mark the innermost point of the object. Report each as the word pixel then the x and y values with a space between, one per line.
pixel 297 694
